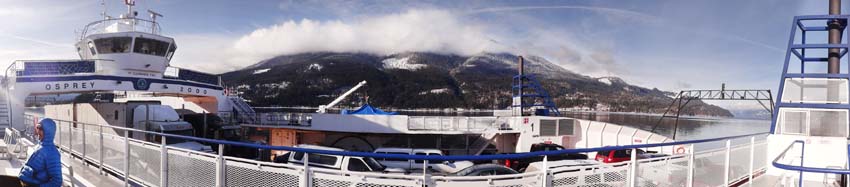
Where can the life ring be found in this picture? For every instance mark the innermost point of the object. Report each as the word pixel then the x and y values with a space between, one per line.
pixel 680 150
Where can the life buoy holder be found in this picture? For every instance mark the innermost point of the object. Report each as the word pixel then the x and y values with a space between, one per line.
pixel 680 150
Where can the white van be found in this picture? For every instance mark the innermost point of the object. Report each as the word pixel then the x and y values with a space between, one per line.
pixel 343 163
pixel 444 167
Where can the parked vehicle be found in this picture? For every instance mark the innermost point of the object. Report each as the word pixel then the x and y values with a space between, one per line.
pixel 337 162
pixel 521 164
pixel 444 167
pixel 614 156
pixel 538 166
pixel 486 170
pixel 141 115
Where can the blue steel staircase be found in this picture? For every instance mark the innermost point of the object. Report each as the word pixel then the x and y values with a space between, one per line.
pixel 527 86
pixel 798 49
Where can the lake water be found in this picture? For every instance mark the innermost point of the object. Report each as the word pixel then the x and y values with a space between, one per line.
pixel 689 128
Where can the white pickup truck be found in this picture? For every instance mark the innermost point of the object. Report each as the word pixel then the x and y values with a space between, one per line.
pixel 444 167
pixel 342 163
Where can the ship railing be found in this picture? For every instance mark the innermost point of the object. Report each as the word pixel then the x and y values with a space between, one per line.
pixel 191 75
pixel 121 152
pixel 456 123
pixel 268 119
pixel 26 68
pixel 796 167
pixel 120 25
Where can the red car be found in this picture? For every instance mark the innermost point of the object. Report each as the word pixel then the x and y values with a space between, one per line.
pixel 614 156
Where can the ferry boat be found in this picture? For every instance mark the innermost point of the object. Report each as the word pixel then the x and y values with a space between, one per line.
pixel 132 139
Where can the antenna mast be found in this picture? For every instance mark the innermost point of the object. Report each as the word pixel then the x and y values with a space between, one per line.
pixel 130 12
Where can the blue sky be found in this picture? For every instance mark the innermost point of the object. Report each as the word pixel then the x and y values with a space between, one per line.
pixel 669 44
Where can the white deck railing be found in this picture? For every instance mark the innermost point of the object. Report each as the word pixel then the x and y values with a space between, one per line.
pixel 111 149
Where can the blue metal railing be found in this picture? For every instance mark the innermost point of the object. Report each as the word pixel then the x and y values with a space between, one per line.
pixel 802 169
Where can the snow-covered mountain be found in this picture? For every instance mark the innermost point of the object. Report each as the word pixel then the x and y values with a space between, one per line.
pixel 431 80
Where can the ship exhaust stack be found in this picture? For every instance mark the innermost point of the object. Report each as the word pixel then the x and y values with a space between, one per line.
pixel 835 26
pixel 517 100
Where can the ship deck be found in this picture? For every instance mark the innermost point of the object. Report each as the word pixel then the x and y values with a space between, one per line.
pixel 74 172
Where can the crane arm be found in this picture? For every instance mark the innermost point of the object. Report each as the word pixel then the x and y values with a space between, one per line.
pixel 323 108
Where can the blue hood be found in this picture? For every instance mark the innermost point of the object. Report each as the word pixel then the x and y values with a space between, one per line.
pixel 49 128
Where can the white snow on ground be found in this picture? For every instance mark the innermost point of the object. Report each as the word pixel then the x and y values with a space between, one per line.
pixel 605 81
pixel 435 91
pixel 261 71
pixel 281 85
pixel 396 63
pixel 316 67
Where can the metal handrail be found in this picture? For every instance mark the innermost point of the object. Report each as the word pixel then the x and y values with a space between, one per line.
pixel 428 157
pixel 154 26
pixel 803 169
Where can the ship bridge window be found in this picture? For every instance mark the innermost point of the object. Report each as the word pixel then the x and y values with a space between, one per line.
pixel 150 47
pixel 171 51
pixel 113 45
pixel 815 90
pixel 813 122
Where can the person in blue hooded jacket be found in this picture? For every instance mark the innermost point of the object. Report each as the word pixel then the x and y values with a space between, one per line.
pixel 44 166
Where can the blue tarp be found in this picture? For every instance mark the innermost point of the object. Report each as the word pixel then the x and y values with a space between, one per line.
pixel 368 110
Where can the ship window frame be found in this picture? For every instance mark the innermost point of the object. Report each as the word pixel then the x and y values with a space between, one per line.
pixel 101 43
pixel 814 89
pixel 808 120
pixel 137 46
pixel 92 48
pixel 172 47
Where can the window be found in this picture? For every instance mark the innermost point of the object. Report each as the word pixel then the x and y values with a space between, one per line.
pixel 794 122
pixel 374 164
pixel 91 48
pixel 561 127
pixel 355 164
pixel 116 114
pixel 171 51
pixel 621 154
pixel 393 159
pixel 548 128
pixel 113 45
pixel 565 127
pixel 813 122
pixel 316 158
pixel 815 90
pixel 150 47
pixel 420 161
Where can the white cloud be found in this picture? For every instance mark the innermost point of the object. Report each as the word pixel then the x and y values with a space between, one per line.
pixel 415 30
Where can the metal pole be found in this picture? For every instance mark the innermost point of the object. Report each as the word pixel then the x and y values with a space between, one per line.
pixel 219 169
pixel 204 133
pixel 834 37
pixel 126 158
pixel 100 160
pixel 71 138
pixel 71 172
pixel 425 173
pixel 633 173
pixel 691 163
pixel 83 130
pixel 802 156
pixel 163 163
pixel 752 157
pixel 726 163
pixel 305 181
pixel 545 180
